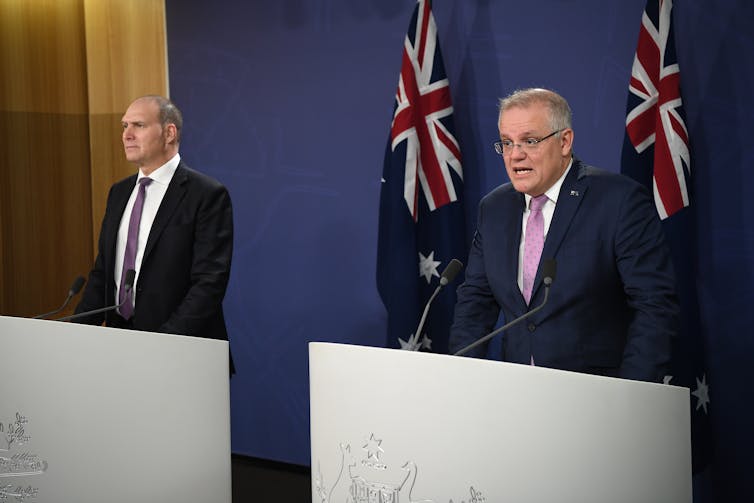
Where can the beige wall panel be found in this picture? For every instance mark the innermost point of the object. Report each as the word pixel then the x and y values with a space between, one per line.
pixel 45 207
pixel 126 53
pixel 107 160
pixel 45 190
pixel 42 56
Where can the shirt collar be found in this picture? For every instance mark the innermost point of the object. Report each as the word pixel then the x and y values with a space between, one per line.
pixel 164 173
pixel 554 190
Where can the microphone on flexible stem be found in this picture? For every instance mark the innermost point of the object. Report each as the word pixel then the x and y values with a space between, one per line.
pixel 447 276
pixel 549 267
pixel 128 286
pixel 75 288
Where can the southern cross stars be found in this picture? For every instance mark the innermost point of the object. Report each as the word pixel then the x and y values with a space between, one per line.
pixel 428 266
pixel 414 344
pixel 701 393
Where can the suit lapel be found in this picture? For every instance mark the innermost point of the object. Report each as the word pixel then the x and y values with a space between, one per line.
pixel 173 196
pixel 119 202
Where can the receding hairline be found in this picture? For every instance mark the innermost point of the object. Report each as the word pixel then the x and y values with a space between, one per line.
pixel 167 111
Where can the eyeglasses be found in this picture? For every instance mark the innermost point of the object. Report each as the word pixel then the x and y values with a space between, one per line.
pixel 530 144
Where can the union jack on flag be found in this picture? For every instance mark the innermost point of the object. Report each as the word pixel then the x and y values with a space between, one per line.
pixel 421 225
pixel 656 152
pixel 421 102
pixel 655 113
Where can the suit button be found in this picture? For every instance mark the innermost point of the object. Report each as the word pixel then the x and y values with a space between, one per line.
pixel 532 327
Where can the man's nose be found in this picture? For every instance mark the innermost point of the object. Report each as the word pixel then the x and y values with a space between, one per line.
pixel 517 151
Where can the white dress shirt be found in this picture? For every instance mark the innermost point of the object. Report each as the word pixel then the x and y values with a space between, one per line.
pixel 155 191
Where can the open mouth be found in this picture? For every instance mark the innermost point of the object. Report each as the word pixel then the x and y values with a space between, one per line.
pixel 522 171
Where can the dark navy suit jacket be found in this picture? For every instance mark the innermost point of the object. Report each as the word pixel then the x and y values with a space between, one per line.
pixel 186 264
pixel 612 308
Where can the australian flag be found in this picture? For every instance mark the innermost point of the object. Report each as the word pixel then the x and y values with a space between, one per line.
pixel 422 224
pixel 657 153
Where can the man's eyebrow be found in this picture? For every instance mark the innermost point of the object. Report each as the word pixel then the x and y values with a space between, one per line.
pixel 525 134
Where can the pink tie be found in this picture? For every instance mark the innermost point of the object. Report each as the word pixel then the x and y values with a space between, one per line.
pixel 534 241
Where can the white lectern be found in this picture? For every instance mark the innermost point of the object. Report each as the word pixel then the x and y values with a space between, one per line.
pixel 92 414
pixel 396 426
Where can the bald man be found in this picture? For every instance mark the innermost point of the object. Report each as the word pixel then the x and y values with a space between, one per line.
pixel 170 224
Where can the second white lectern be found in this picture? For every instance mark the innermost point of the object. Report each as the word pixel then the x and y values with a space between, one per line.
pixel 396 426
pixel 91 415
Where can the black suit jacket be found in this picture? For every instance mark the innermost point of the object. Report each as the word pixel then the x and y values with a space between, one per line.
pixel 612 308
pixel 186 264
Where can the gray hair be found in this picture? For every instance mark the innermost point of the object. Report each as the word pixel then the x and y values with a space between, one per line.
pixel 168 113
pixel 560 112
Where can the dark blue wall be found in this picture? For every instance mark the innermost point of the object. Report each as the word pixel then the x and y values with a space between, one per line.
pixel 289 104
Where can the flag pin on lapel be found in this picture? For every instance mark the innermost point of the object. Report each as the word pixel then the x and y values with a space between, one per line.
pixel 575 193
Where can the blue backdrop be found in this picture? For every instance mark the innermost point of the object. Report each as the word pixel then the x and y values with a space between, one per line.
pixel 289 104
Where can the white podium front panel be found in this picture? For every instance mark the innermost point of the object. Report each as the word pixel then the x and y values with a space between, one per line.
pixel 396 426
pixel 92 414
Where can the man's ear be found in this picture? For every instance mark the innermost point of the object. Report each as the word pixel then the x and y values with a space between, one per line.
pixel 566 141
pixel 171 133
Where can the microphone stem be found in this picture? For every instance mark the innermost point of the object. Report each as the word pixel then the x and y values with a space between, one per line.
pixel 96 311
pixel 424 315
pixel 504 327
pixel 45 315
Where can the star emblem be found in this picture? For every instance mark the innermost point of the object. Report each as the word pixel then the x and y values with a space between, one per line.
pixel 412 344
pixel 701 393
pixel 428 266
pixel 373 448
pixel 426 342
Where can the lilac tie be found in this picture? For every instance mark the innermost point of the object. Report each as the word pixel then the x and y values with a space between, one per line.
pixel 129 259
pixel 534 241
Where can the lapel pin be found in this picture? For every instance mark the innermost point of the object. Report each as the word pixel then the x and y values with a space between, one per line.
pixel 575 193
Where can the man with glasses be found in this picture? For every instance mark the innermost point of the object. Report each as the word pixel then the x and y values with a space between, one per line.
pixel 613 308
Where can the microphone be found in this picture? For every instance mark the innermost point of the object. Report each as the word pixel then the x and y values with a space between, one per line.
pixel 549 267
pixel 448 275
pixel 128 285
pixel 450 272
pixel 75 288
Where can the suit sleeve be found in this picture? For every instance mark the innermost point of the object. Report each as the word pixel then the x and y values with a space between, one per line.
pixel 644 264
pixel 476 310
pixel 210 266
